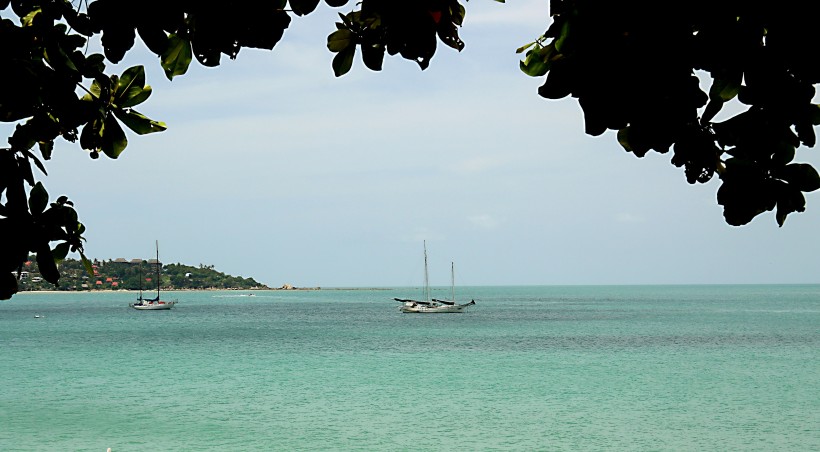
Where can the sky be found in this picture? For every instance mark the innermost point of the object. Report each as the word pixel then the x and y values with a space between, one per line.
pixel 274 169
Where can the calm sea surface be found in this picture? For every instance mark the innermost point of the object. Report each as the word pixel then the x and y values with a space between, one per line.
pixel 649 368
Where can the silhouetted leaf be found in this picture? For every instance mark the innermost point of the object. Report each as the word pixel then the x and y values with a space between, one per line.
pixel 303 7
pixel 558 83
pixel 814 114
pixel 783 153
pixel 116 41
pixel 801 175
pixel 37 199
pixel 712 108
pixel 789 200
pixel 36 161
pixel 343 61
pixel 46 148
pixel 154 38
pixel 24 165
pixel 46 264
pixel 8 284
pixel 805 133
pixel 373 56
pixel 91 135
pixel 60 251
pixel 631 140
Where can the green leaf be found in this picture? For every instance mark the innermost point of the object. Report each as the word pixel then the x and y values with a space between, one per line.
pixel 87 264
pixel 131 89
pixel 802 176
pixel 94 93
pixel 133 76
pixel 113 138
pixel 343 61
pixel 726 88
pixel 28 19
pixel 562 39
pixel 177 57
pixel 138 122
pixel 534 64
pixel 346 20
pixel 38 199
pixel 525 47
pixel 339 40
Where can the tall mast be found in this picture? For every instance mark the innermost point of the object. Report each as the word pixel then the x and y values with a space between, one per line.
pixel 452 282
pixel 157 242
pixel 426 279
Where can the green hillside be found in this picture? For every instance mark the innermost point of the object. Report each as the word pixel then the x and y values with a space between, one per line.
pixel 120 274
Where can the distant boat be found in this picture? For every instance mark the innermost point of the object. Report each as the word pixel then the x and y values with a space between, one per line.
pixel 152 304
pixel 434 306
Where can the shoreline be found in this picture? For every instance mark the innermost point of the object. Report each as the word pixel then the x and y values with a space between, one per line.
pixel 270 289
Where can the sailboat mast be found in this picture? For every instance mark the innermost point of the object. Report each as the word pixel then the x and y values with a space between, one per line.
pixel 157 243
pixel 452 282
pixel 426 278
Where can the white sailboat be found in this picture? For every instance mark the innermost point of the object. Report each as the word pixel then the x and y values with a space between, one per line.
pixel 152 304
pixel 434 306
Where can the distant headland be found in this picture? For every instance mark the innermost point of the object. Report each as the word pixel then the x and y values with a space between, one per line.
pixel 122 274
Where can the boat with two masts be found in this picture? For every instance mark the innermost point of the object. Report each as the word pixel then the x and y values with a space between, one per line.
pixel 152 304
pixel 434 306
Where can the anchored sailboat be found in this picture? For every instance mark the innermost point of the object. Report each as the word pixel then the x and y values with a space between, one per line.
pixel 152 304
pixel 434 306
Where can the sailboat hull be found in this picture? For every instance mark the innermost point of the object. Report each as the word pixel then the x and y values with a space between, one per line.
pixel 154 306
pixel 434 309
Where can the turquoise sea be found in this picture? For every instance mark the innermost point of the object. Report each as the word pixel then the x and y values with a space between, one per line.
pixel 586 368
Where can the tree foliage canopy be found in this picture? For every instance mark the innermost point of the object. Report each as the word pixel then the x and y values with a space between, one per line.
pixel 631 65
pixel 632 69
